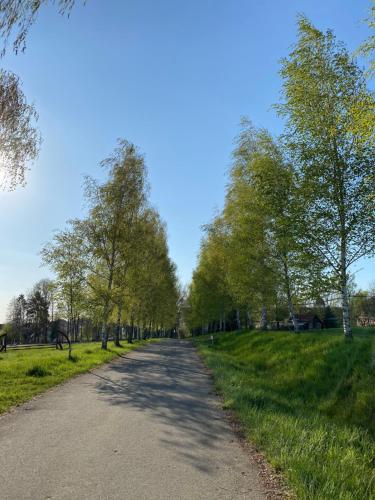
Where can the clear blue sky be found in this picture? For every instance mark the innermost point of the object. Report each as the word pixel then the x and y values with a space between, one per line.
pixel 172 76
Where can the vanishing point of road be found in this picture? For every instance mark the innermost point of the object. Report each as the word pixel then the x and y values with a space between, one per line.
pixel 147 426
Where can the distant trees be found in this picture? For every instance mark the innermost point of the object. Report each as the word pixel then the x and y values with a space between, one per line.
pixel 17 317
pixel 37 315
pixel 299 211
pixel 29 316
pixel 209 300
pixel 150 290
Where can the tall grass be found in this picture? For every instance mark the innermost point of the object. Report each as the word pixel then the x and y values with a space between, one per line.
pixel 23 374
pixel 307 401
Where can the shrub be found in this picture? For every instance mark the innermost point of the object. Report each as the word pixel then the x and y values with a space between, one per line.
pixel 37 371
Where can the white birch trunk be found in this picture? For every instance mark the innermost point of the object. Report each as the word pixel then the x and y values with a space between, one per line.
pixel 344 293
pixel 289 295
pixel 263 319
pixel 104 336
pixel 293 315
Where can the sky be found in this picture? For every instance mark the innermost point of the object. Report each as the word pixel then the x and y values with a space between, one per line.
pixel 173 77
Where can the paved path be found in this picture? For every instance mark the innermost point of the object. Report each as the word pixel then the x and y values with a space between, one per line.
pixel 145 427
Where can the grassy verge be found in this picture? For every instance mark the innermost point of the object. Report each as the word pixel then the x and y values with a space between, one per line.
pixel 307 401
pixel 23 374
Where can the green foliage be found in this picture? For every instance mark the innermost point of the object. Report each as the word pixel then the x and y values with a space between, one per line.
pixel 322 88
pixel 252 269
pixel 113 265
pixel 307 401
pixel 299 211
pixel 209 298
pixel 367 49
pixel 64 256
pixel 329 318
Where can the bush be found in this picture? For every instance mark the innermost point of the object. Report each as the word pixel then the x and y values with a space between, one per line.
pixel 330 319
pixel 37 371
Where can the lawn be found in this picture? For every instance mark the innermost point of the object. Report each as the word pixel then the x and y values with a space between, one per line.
pixel 23 374
pixel 307 401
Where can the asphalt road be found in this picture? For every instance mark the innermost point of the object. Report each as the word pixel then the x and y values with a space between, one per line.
pixel 147 426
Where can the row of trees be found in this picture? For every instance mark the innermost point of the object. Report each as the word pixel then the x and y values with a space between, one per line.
pixel 300 209
pixel 112 267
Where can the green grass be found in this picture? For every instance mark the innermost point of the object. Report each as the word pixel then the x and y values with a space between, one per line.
pixel 307 401
pixel 26 373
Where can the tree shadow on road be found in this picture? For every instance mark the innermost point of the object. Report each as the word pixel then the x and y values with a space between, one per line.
pixel 169 382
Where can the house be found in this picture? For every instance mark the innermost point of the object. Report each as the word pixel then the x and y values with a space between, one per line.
pixel 307 322
pixel 365 320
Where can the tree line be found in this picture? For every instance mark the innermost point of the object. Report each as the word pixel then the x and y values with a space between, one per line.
pixel 112 267
pixel 300 208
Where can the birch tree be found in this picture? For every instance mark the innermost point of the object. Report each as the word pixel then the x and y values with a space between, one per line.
pixel 278 200
pixel 64 255
pixel 209 293
pixel 152 289
pixel 108 231
pixel 251 267
pixel 322 85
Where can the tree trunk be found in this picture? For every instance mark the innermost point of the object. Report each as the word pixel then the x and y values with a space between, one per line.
pixel 293 315
pixel 346 314
pixel 344 292
pixel 105 326
pixel 263 319
pixel 238 319
pixel 118 327
pixel 289 295
pixel 345 310
pixel 249 319
pixel 104 336
pixel 130 332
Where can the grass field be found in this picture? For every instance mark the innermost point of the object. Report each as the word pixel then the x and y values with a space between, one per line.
pixel 307 401
pixel 23 374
